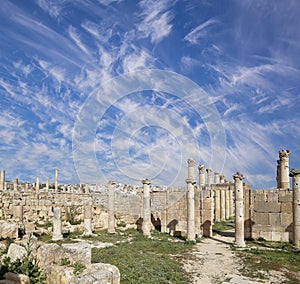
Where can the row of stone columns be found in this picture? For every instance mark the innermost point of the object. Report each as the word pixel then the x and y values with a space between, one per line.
pixel 224 208
pixel 216 179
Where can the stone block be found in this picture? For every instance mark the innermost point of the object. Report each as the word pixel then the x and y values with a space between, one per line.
pixel 260 218
pixel 272 196
pixel 78 252
pixel 8 230
pixel 285 196
pixel 276 236
pixel 16 252
pixel 285 237
pixel 286 219
pixel 275 219
pixel 259 195
pixel 287 207
pixel 16 278
pixel 267 207
pixel 49 254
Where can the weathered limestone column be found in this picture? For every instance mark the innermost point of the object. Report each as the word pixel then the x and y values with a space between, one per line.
pixel 201 169
pixel 146 225
pixel 222 179
pixel 278 175
pixel 16 182
pixel 87 220
pixel 284 168
pixel 197 212
pixel 217 178
pixel 56 181
pixel 217 206
pixel 223 204
pixel 239 210
pixel 164 214
pixel 18 212
pixel 295 174
pixel 111 208
pixel 37 185
pixel 191 209
pixel 2 180
pixel 227 205
pixel 209 176
pixel 80 188
pixel 57 225
pixel 231 207
pixel 87 188
pixel 191 168
pixel 47 185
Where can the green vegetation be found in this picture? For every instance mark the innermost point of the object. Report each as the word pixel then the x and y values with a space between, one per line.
pixel 146 260
pixel 27 265
pixel 71 214
pixel 264 256
pixel 78 268
pixel 222 226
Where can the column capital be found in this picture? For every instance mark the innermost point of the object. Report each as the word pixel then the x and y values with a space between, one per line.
pixel 112 182
pixel 191 162
pixel 146 181
pixel 208 170
pixel 294 172
pixel 284 154
pixel 190 180
pixel 201 169
pixel 238 175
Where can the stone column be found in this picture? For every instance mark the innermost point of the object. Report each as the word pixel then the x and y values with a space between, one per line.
pixel 227 205
pixel 164 214
pixel 80 188
pixel 209 176
pixel 47 185
pixel 217 206
pixel 222 179
pixel 18 212
pixel 191 209
pixel 278 175
pixel 239 210
pixel 201 169
pixel 111 208
pixel 87 188
pixel 146 225
pixel 217 178
pixel 295 174
pixel 231 207
pixel 197 212
pixel 2 180
pixel 16 182
pixel 56 181
pixel 37 185
pixel 87 220
pixel 284 168
pixel 191 168
pixel 222 206
pixel 57 226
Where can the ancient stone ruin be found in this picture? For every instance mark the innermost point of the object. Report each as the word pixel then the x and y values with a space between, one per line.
pixel 190 211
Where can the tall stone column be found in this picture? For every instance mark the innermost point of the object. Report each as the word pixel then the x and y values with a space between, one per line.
pixel 295 174
pixel 217 206
pixel 201 169
pixel 278 175
pixel 217 178
pixel 223 204
pixel 2 180
pixel 37 185
pixel 191 168
pixel 18 212
pixel 239 210
pixel 209 176
pixel 231 207
pixel 80 188
pixel 284 168
pixel 56 181
pixel 197 212
pixel 47 185
pixel 191 209
pixel 227 205
pixel 164 214
pixel 57 225
pixel 16 183
pixel 87 188
pixel 111 208
pixel 146 225
pixel 222 179
pixel 87 221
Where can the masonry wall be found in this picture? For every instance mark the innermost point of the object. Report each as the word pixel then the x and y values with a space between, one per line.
pixel 271 214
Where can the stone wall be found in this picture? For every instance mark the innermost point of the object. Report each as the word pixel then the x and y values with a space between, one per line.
pixel 271 214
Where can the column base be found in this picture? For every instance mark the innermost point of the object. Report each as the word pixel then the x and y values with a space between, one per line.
pixel 111 231
pixel 239 245
pixel 57 238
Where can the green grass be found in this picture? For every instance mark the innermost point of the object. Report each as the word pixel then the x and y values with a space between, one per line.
pixel 264 256
pixel 144 260
pixel 222 226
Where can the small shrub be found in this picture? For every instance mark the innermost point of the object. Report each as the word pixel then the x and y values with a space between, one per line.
pixel 78 268
pixel 65 262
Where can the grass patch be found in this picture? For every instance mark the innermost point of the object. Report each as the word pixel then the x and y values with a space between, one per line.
pixel 219 227
pixel 144 260
pixel 265 256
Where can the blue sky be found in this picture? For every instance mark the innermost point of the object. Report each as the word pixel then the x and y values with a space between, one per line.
pixel 56 56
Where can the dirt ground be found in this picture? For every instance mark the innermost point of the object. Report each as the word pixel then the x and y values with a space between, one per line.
pixel 213 261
